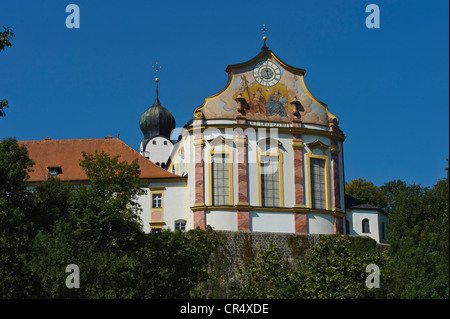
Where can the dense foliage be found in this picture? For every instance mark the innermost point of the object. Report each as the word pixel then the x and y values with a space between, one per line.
pixel 5 41
pixel 418 234
pixel 98 228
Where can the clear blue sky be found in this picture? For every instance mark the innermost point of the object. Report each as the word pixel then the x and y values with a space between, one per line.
pixel 387 86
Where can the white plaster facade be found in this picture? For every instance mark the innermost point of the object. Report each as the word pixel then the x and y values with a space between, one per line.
pixel 157 150
pixel 377 223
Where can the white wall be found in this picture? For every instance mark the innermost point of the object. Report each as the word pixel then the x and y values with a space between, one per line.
pixel 145 202
pixel 320 224
pixel 222 220
pixel 272 222
pixel 175 206
pixel 158 153
pixel 356 216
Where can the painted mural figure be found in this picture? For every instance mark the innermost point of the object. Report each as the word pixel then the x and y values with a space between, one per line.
pixel 258 102
pixel 275 105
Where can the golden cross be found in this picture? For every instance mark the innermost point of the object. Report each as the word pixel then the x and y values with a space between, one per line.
pixel 157 67
pixel 264 29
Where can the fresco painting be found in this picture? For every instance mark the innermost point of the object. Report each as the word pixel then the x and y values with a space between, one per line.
pixel 266 103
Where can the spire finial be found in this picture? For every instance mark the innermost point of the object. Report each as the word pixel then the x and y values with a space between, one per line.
pixel 264 30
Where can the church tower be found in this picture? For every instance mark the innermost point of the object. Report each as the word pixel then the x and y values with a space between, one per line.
pixel 157 124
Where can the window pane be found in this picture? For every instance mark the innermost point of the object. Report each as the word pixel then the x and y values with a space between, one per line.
pixel 318 183
pixel 270 184
pixel 220 179
pixel 157 201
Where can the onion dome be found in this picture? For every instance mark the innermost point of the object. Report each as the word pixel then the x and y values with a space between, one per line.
pixel 157 120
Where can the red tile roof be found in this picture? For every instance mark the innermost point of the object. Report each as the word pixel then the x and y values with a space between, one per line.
pixel 68 153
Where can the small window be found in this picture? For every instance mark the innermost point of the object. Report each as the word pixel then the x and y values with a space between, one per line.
pixel 165 142
pixel 180 225
pixel 154 142
pixel 54 171
pixel 157 201
pixel 156 230
pixel 365 226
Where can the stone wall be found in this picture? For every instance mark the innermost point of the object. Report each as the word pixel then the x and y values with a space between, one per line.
pixel 238 246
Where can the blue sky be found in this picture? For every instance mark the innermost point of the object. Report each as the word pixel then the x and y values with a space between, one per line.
pixel 387 86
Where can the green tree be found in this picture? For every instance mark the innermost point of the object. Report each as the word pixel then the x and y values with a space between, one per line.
pixel 5 41
pixel 365 191
pixel 332 269
pixel 15 230
pixel 269 275
pixel 107 212
pixel 419 242
pixel 95 227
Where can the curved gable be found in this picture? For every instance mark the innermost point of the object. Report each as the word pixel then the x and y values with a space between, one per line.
pixel 269 102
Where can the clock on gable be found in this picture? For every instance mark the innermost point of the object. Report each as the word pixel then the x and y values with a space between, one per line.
pixel 267 73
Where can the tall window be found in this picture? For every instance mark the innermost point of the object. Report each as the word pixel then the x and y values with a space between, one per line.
pixel 365 226
pixel 318 187
pixel 270 181
pixel 220 179
pixel 157 201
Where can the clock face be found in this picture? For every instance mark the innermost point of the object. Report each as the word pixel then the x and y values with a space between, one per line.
pixel 267 73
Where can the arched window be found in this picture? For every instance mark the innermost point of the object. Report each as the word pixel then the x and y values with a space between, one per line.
pixel 365 226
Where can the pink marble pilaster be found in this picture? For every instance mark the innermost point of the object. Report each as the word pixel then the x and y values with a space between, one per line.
pixel 241 145
pixel 338 225
pixel 297 146
pixel 301 223
pixel 335 175
pixel 243 221
pixel 199 172
pixel 199 219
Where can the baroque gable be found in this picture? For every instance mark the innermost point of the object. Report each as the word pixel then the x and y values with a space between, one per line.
pixel 268 86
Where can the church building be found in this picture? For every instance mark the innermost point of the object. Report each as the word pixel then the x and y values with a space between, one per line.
pixel 262 155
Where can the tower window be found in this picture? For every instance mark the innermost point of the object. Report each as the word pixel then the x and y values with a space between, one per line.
pixel 165 142
pixel 154 142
